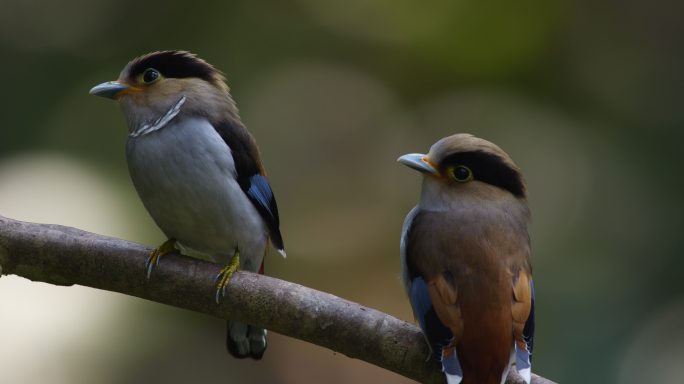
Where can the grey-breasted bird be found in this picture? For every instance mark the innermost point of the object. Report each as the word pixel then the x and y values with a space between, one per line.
pixel 466 264
pixel 197 170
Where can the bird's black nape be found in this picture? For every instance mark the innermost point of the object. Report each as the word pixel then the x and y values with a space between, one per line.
pixel 174 64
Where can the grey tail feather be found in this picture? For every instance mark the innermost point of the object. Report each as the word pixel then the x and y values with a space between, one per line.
pixel 250 343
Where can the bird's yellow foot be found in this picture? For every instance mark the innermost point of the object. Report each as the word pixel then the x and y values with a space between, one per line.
pixel 167 247
pixel 223 277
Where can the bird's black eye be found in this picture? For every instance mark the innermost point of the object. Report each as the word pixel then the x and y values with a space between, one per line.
pixel 461 173
pixel 150 76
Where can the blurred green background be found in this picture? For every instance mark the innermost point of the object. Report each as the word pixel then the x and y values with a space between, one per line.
pixel 584 95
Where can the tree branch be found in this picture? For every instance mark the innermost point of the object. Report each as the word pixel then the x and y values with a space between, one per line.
pixel 65 256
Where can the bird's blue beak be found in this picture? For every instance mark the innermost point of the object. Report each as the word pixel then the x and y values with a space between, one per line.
pixel 109 89
pixel 419 162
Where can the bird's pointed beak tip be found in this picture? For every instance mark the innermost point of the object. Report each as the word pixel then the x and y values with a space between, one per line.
pixel 419 162
pixel 108 89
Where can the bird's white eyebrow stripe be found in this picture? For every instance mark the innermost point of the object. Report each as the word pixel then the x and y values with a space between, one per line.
pixel 161 121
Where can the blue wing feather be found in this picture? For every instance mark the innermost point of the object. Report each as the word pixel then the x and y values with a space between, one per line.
pixel 249 174
pixel 436 333
pixel 420 301
pixel 260 194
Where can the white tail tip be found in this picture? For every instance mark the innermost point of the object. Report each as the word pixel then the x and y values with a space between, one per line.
pixel 453 379
pixel 526 374
pixel 282 253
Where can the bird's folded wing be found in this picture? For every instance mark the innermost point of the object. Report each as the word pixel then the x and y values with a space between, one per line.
pixel 250 175
pixel 522 311
pixel 261 195
pixel 444 296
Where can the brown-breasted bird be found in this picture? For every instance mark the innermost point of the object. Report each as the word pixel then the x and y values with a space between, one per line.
pixel 197 170
pixel 466 266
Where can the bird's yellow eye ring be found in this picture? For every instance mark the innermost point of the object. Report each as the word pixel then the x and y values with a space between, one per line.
pixel 460 173
pixel 150 76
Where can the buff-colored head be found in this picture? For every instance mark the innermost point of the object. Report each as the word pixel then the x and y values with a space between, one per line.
pixel 151 84
pixel 463 166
